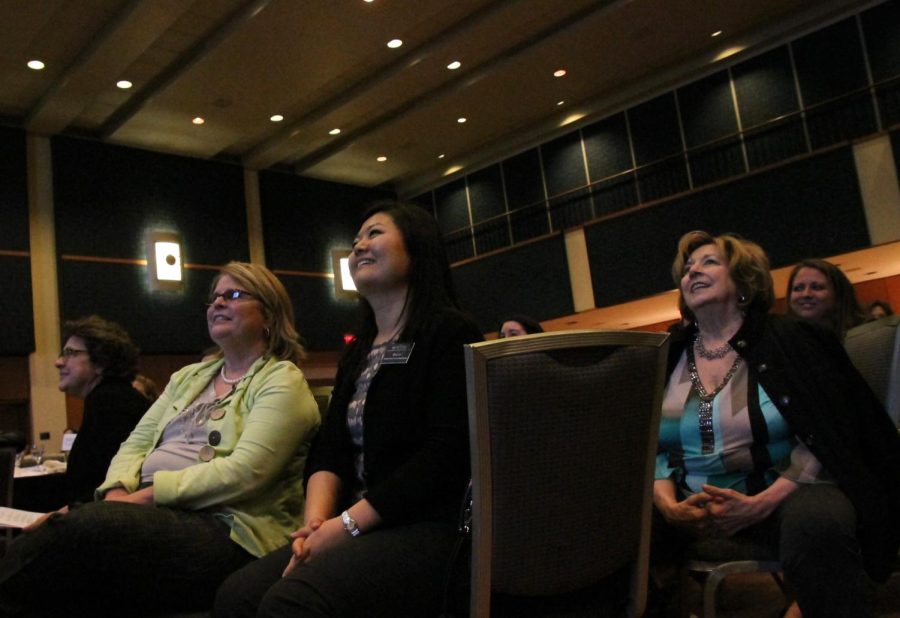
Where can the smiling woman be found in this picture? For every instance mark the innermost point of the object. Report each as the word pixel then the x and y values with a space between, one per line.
pixel 386 473
pixel 820 291
pixel 209 479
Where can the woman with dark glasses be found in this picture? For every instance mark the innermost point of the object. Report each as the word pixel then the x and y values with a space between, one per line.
pixel 209 479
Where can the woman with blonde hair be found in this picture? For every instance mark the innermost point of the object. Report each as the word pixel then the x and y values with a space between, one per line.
pixel 208 480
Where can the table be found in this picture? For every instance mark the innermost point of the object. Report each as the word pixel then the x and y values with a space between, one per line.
pixel 38 489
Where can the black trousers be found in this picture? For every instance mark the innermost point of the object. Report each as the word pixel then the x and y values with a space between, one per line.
pixel 118 559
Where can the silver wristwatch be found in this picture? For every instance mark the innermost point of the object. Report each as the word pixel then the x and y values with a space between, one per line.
pixel 350 524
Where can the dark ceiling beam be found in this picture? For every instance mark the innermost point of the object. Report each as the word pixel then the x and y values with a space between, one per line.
pixel 181 65
pixel 477 73
pixel 263 154
pixel 88 55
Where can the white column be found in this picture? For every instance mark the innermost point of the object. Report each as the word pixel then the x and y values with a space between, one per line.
pixel 254 217
pixel 579 270
pixel 48 404
pixel 878 186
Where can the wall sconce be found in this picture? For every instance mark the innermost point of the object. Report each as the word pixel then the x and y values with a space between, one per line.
pixel 164 265
pixel 343 282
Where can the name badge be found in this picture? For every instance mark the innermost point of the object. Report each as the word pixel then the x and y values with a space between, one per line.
pixel 397 353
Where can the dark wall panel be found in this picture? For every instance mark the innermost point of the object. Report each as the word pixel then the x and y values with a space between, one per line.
pixel 607 147
pixel 765 88
pixel 304 219
pixel 107 197
pixel 452 206
pixel 531 279
pixel 13 190
pixel 809 208
pixel 654 129
pixel 830 62
pixel 321 318
pixel 707 109
pixel 16 321
pixel 159 322
pixel 881 25
pixel 563 162
pixel 486 193
pixel 524 183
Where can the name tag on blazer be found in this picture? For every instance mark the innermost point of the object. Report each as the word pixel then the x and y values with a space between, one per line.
pixel 397 353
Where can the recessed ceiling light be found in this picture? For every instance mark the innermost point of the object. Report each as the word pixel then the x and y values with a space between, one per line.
pixel 559 103
pixel 454 65
pixel 461 120
pixel 334 131
pixel 716 33
pixel 440 156
pixel 394 43
pixel 369 1
pixel 37 65
pixel 559 72
pixel 198 120
pixel 276 118
pixel 381 159
pixel 124 84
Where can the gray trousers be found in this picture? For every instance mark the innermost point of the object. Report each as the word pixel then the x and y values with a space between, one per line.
pixel 118 559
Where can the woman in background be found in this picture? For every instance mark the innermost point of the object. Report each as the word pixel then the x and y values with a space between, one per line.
pixel 769 432
pixel 819 291
pixel 97 364
pixel 878 309
pixel 387 472
pixel 517 325
pixel 208 480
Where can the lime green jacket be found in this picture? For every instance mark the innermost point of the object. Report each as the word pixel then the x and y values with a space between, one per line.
pixel 254 481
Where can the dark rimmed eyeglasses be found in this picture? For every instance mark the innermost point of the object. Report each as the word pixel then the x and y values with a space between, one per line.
pixel 68 353
pixel 229 295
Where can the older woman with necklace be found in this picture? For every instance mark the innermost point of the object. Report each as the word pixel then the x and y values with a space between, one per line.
pixel 769 432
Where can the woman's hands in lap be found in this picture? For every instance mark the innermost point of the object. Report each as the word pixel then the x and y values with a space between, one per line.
pixel 316 537
pixel 689 514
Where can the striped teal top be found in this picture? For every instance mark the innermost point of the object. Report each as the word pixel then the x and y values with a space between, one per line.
pixel 732 459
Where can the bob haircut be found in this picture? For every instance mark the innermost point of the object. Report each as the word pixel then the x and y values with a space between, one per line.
pixel 430 285
pixel 847 312
pixel 108 345
pixel 282 339
pixel 747 263
pixel 529 325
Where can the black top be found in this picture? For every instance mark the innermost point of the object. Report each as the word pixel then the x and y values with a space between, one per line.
pixel 831 409
pixel 111 410
pixel 415 432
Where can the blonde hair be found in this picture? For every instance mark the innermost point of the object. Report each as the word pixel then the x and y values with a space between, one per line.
pixel 282 339
pixel 747 263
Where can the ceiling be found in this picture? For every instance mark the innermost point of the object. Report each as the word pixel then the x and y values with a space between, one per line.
pixel 324 64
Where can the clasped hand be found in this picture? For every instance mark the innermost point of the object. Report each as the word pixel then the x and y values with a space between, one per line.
pixel 716 512
pixel 312 539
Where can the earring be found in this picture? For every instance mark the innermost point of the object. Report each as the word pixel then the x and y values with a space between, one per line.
pixel 742 299
pixel 267 332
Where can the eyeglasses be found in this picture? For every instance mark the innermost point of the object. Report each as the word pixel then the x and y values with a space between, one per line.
pixel 229 295
pixel 68 353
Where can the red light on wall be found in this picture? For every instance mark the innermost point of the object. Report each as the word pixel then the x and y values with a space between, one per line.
pixel 349 338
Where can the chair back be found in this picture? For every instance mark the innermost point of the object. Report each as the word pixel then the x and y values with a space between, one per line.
pixel 563 429
pixel 874 348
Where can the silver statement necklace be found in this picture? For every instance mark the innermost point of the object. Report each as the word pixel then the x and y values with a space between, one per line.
pixel 225 378
pixel 715 354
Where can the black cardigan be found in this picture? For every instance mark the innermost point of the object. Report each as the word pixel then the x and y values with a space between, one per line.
pixel 830 407
pixel 415 431
pixel 111 410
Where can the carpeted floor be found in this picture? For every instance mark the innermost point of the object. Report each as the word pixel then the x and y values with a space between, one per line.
pixel 757 596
